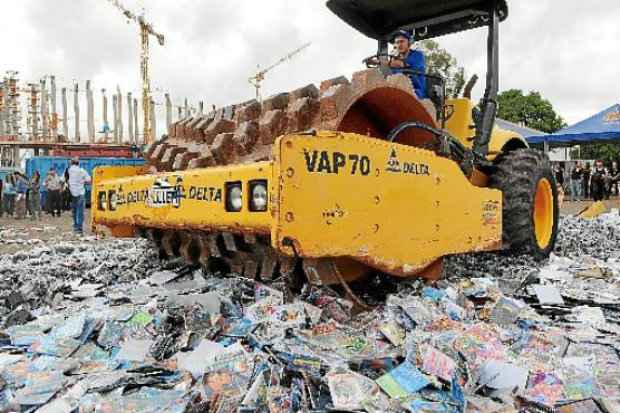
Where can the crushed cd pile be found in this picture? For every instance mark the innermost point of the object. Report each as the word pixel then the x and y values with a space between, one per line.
pixel 100 330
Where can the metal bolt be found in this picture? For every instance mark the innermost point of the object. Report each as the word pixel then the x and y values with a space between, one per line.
pixel 289 217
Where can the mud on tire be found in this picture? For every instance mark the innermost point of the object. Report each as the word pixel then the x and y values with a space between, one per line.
pixel 522 176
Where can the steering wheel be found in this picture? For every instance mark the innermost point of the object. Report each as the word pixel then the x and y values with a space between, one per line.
pixel 374 61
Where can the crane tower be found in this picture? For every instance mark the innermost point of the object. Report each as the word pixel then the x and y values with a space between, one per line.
pixel 146 30
pixel 260 76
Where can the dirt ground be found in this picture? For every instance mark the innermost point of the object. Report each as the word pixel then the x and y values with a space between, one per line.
pixel 16 235
pixel 572 208
pixel 25 234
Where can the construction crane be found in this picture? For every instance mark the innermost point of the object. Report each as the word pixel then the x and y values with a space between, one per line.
pixel 146 30
pixel 260 76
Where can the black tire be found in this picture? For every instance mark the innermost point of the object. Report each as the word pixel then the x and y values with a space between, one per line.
pixel 517 175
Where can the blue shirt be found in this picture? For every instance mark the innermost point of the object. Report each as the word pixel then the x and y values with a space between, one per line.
pixel 8 188
pixel 21 186
pixel 415 60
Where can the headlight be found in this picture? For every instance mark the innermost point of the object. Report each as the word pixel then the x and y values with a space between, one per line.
pixel 112 200
pixel 102 200
pixel 258 196
pixel 234 197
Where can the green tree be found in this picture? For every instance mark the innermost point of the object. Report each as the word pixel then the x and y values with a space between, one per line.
pixel 530 110
pixel 606 152
pixel 440 62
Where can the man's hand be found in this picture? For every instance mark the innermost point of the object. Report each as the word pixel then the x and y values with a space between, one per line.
pixel 392 61
pixel 397 63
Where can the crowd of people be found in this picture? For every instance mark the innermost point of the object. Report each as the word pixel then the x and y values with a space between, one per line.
pixel 584 181
pixel 22 198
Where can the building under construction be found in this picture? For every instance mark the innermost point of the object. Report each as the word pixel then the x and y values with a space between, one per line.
pixel 47 120
pixel 47 129
pixel 36 116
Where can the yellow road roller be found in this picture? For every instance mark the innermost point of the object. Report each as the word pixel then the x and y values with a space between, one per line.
pixel 351 177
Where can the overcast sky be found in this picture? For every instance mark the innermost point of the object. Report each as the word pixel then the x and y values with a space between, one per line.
pixel 568 50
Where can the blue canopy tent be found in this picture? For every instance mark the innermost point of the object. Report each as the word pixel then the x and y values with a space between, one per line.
pixel 524 131
pixel 602 127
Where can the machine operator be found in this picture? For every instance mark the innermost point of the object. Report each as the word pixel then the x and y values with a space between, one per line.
pixel 407 58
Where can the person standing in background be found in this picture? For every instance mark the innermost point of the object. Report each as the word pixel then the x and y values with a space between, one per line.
pixel 558 172
pixel 587 173
pixel 78 178
pixel 65 193
pixel 597 185
pixel 28 211
pixel 21 187
pixel 576 176
pixel 54 186
pixel 34 200
pixel 8 196
pixel 607 190
pixel 614 173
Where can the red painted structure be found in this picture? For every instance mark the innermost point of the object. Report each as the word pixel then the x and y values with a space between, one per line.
pixel 75 149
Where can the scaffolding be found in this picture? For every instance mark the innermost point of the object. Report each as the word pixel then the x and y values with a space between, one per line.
pixel 10 119
pixel 34 114
pixel 51 126
pixel 11 115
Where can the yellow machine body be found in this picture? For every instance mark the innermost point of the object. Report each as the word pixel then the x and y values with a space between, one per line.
pixel 388 206
pixel 193 201
pixel 460 124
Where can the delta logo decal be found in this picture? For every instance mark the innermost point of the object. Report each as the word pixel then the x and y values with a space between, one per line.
pixel 393 164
